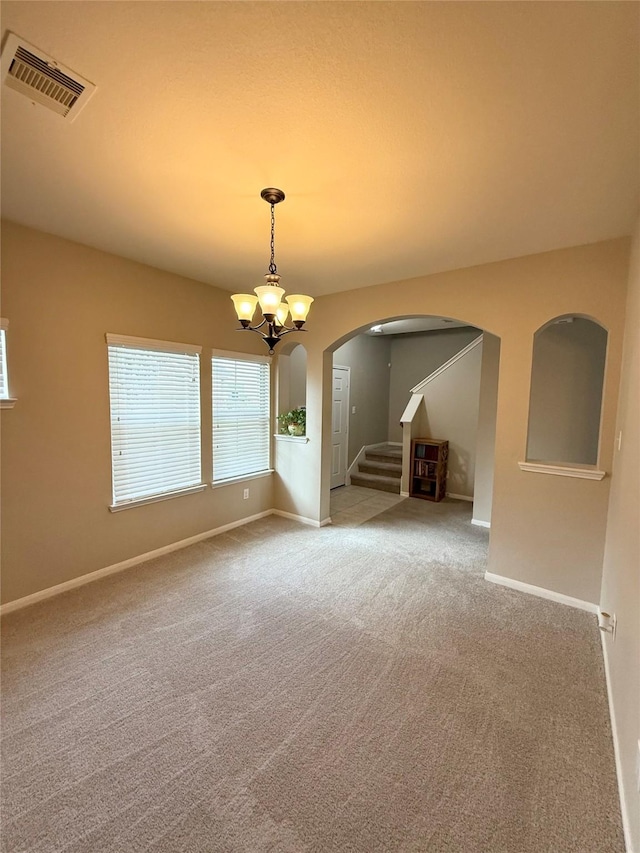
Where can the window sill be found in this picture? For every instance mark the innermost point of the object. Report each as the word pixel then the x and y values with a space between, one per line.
pixel 583 472
pixel 8 402
pixel 156 498
pixel 300 439
pixel 218 484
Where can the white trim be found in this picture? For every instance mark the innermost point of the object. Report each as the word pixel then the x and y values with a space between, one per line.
pixel 541 592
pixel 301 518
pixel 479 523
pixel 8 402
pixel 150 344
pixel 218 484
pixel 19 603
pixel 562 470
pixel 154 499
pixel 459 497
pixel 474 343
pixel 411 408
pixel 232 355
pixel 392 443
pixel 626 821
pixel 301 439
pixel 405 495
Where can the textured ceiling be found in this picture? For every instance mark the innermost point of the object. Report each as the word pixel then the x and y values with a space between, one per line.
pixel 409 137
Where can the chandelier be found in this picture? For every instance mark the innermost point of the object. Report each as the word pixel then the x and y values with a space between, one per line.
pixel 274 310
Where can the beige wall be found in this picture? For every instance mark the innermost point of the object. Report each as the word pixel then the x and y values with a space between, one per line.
pixel 546 530
pixel 451 412
pixel 621 572
pixel 298 378
pixel 291 378
pixel 413 358
pixel 486 437
pixel 60 299
pixel 368 357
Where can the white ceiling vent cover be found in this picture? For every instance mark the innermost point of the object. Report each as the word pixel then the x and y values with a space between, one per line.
pixel 40 78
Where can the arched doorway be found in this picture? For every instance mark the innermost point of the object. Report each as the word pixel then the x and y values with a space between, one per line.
pixel 389 358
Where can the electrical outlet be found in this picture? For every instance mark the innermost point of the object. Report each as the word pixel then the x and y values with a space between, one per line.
pixel 353 410
pixel 245 495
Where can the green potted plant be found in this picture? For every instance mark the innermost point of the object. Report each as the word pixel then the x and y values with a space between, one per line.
pixel 293 422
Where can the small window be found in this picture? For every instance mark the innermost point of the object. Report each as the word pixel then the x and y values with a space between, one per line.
pixel 241 416
pixel 6 401
pixel 154 389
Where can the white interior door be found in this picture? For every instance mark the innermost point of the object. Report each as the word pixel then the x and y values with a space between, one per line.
pixel 339 426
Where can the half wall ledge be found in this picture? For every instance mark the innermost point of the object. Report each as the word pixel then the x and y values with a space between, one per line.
pixel 584 473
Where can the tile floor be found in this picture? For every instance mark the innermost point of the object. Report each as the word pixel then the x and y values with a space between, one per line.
pixel 353 505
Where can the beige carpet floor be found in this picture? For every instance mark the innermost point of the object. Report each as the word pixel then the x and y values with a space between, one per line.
pixel 280 688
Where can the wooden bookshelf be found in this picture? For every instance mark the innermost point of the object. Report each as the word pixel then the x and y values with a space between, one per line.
pixel 429 468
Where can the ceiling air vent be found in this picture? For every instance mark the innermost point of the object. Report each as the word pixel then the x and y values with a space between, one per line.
pixel 28 70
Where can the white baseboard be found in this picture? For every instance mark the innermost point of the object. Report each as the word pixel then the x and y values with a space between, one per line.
pixel 541 592
pixel 479 523
pixel 460 497
pixel 43 594
pixel 301 518
pixel 405 495
pixel 626 823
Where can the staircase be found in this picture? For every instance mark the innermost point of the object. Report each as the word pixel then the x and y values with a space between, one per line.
pixel 380 469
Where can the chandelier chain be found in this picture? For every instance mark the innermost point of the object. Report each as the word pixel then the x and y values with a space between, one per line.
pixel 272 266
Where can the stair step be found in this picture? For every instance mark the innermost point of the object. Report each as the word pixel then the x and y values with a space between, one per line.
pixel 376 481
pixel 387 469
pixel 385 455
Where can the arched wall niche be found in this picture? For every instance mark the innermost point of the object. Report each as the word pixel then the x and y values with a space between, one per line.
pixel 291 384
pixel 566 392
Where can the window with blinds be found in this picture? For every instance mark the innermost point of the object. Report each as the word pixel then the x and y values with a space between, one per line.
pixel 154 390
pixel 241 416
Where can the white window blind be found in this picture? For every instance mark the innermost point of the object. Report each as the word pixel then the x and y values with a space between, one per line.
pixel 4 381
pixel 154 388
pixel 241 419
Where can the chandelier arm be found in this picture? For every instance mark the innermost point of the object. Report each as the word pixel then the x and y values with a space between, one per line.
pixel 288 329
pixel 259 326
pixel 252 328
